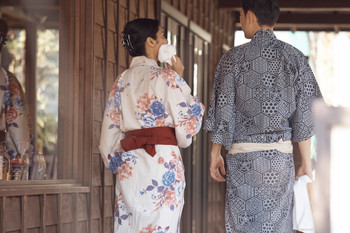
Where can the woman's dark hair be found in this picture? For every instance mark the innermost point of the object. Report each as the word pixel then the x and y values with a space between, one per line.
pixel 3 33
pixel 136 33
pixel 266 11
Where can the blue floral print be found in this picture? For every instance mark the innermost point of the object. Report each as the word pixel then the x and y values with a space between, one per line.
pixel 157 108
pixel 122 163
pixel 170 190
pixel 196 109
pixel 120 213
pixel 168 178
pixel 116 161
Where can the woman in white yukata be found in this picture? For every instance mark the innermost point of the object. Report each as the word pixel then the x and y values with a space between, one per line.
pixel 150 113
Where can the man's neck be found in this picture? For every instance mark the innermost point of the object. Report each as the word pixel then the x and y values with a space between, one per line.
pixel 258 28
pixel 266 27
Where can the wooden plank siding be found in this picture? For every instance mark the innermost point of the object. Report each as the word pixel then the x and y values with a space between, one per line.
pixel 220 24
pixel 91 57
pixel 55 212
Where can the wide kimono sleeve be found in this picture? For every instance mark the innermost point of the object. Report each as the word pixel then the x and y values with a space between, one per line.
pixel 220 121
pixel 307 91
pixel 111 134
pixel 186 110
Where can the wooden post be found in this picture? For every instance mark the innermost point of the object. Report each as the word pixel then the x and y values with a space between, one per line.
pixel 30 74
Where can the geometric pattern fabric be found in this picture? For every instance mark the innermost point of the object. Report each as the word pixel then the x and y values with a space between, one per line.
pixel 263 92
pixel 259 195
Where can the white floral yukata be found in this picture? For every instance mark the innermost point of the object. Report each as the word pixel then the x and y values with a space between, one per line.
pixel 149 190
pixel 14 122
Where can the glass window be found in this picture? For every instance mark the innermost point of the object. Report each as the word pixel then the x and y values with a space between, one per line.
pixel 32 55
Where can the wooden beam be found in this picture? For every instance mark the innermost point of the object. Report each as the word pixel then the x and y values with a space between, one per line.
pixel 315 18
pixel 336 21
pixel 311 18
pixel 30 3
pixel 312 27
pixel 306 27
pixel 17 15
pixel 310 5
pixel 19 18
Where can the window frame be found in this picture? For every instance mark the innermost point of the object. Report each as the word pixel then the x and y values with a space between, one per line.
pixel 73 141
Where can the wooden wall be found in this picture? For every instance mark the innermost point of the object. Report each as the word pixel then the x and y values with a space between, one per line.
pixel 92 56
pixel 44 208
pixel 220 24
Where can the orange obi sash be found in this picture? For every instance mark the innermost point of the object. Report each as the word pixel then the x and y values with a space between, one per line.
pixel 147 138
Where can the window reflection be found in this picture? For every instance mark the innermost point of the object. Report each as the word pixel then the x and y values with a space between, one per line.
pixel 32 55
pixel 13 53
pixel 47 91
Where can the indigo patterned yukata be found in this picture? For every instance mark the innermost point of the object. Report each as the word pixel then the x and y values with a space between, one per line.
pixel 263 92
pixel 149 190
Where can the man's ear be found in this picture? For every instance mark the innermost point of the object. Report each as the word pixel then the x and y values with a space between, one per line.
pixel 252 17
pixel 151 42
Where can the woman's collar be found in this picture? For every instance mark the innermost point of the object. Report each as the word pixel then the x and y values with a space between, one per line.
pixel 142 61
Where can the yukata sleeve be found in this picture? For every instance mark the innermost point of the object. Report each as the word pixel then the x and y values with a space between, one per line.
pixel 18 139
pixel 111 134
pixel 220 119
pixel 186 110
pixel 307 91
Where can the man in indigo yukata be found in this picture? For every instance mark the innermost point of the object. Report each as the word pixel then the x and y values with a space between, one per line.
pixel 260 106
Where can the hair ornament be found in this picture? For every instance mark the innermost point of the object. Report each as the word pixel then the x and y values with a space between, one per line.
pixel 3 38
pixel 127 42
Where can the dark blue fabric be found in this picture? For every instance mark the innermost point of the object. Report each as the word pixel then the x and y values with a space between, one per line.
pixel 263 92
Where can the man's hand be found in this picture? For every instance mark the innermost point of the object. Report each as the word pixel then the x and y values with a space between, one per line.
pixel 216 163
pixel 302 151
pixel 304 171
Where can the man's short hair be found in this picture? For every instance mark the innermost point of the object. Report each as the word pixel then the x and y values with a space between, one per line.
pixel 266 11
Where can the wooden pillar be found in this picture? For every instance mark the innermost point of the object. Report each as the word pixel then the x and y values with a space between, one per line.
pixel 30 74
pixel 68 64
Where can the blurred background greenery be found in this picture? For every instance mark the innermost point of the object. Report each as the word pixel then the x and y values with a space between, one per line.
pixel 46 82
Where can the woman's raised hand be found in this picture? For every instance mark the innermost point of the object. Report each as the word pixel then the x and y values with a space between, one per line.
pixel 178 67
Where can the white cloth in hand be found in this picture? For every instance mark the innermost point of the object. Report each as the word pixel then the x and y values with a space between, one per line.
pixel 302 215
pixel 166 52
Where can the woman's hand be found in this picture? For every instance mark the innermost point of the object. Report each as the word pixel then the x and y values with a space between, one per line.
pixel 178 67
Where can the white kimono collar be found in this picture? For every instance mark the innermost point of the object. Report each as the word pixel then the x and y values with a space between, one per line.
pixel 142 61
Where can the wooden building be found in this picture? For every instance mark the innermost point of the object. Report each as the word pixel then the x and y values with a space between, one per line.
pixel 91 55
